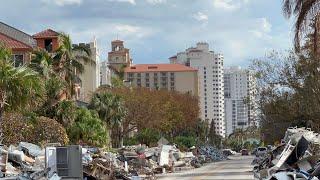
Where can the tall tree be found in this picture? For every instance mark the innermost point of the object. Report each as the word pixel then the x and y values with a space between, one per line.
pixel 68 62
pixel 42 62
pixel 111 110
pixel 18 85
pixel 306 12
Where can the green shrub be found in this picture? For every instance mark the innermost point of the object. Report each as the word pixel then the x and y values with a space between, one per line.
pixel 185 142
pixel 149 137
pixel 88 129
pixel 130 141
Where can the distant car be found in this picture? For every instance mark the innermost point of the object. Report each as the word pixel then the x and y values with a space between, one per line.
pixel 244 152
pixel 261 151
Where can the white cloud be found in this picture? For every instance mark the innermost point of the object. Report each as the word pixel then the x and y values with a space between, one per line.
pixel 229 5
pixel 127 29
pixel 265 24
pixel 133 2
pixel 110 31
pixel 63 2
pixel 200 16
pixel 262 28
pixel 156 1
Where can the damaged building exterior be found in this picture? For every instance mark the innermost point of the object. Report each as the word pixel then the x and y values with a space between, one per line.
pixel 240 101
pixel 211 85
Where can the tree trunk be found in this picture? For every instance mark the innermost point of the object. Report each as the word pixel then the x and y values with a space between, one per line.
pixel 1 118
pixel 121 136
pixel 1 114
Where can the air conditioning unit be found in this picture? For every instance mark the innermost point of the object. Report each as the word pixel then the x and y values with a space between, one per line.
pixel 66 161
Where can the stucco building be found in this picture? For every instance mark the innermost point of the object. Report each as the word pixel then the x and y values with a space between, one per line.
pixel 22 44
pixel 172 77
pixel 48 40
pixel 90 78
pixel 105 74
pixel 119 56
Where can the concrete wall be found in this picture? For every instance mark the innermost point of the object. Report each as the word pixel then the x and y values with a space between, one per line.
pixel 186 82
pixel 90 78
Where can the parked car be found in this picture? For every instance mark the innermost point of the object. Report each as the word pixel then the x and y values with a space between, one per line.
pixel 244 152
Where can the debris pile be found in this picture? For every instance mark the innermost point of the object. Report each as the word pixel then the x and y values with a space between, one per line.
pixel 298 157
pixel 26 161
pixel 54 162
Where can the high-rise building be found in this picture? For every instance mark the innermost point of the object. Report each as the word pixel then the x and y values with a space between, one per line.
pixel 239 95
pixel 211 89
pixel 90 78
pixel 172 77
pixel 119 56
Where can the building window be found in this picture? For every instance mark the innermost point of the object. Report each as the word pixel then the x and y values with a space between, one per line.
pixel 48 45
pixel 17 59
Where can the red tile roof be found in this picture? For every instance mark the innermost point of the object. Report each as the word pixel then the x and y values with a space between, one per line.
pixel 13 44
pixel 46 33
pixel 158 68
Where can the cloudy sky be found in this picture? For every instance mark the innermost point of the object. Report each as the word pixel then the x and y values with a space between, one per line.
pixel 157 29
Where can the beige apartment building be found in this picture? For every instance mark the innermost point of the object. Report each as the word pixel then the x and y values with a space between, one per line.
pixel 174 77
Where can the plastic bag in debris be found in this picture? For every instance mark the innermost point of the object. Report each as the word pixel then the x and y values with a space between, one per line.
pixel 86 156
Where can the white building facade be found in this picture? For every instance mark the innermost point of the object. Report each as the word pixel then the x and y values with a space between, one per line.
pixel 240 101
pixel 90 78
pixel 105 74
pixel 211 82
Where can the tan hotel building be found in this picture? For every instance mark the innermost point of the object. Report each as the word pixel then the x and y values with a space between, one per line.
pixel 175 77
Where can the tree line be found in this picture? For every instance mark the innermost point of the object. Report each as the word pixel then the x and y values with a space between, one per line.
pixel 41 95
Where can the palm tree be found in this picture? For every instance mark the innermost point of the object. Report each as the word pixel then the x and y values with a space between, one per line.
pixel 306 12
pixel 111 110
pixel 68 62
pixel 42 62
pixel 18 85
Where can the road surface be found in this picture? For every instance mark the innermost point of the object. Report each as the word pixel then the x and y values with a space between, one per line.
pixel 238 168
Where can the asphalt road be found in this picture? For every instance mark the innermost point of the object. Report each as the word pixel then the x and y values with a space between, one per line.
pixel 238 168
